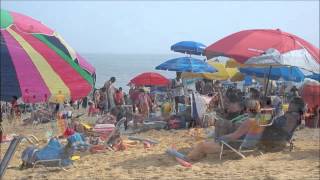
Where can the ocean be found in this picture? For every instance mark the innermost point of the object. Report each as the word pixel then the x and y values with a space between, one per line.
pixel 126 66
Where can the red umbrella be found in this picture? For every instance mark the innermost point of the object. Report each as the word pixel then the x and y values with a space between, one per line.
pixel 150 79
pixel 247 44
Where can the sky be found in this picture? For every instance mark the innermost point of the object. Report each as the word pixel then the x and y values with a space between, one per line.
pixel 139 27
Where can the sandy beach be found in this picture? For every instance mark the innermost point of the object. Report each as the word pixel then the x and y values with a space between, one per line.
pixel 138 163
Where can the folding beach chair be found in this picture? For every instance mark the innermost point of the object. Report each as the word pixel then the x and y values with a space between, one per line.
pixel 12 149
pixel 253 136
pixel 51 155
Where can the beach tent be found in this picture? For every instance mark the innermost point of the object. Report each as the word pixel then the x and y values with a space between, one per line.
pixel 36 62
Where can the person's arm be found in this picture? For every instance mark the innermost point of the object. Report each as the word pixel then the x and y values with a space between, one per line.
pixel 242 130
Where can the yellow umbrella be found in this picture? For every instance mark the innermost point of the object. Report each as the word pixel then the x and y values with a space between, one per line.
pixel 223 73
pixel 231 63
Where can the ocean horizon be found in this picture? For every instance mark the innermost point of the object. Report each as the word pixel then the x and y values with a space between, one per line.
pixel 126 66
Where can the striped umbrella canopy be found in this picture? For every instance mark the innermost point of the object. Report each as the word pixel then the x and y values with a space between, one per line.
pixel 36 63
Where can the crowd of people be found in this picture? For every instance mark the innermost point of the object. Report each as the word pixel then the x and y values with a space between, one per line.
pixel 230 101
pixel 236 112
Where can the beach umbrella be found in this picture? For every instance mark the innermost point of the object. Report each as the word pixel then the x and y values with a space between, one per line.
pixel 275 73
pixel 314 77
pixel 37 62
pixel 223 73
pixel 244 45
pixel 186 64
pixel 150 79
pixel 189 47
pixel 84 64
pixel 248 81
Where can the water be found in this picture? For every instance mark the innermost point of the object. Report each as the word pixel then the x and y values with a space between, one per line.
pixel 126 66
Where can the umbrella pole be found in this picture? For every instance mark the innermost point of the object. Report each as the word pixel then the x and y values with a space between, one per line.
pixel 1 130
pixel 265 93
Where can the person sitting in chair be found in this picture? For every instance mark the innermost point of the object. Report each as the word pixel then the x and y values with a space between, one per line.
pixel 281 131
pixel 209 147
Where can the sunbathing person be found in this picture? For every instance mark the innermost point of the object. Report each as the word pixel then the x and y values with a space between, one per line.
pixel 209 147
pixel 279 133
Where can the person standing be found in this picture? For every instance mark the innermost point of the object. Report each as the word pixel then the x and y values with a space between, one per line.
pixel 118 97
pixel 27 100
pixel 134 96
pixel 59 100
pixel 178 90
pixel 110 89
pixel 144 103
pixel 84 102
pixel 15 111
pixel 96 97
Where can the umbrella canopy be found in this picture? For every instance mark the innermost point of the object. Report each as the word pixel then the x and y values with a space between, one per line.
pixel 189 47
pixel 36 61
pixel 85 64
pixel 223 73
pixel 247 44
pixel 248 81
pixel 186 64
pixel 150 79
pixel 286 73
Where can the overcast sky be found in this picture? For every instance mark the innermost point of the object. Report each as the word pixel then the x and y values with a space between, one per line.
pixel 152 27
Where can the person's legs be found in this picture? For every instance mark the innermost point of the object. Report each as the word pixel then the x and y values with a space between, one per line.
pixel 176 102
pixel 202 149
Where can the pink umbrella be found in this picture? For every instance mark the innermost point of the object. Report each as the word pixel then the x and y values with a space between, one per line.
pixel 36 63
pixel 85 65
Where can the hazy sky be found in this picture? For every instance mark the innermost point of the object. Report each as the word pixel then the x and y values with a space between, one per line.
pixel 152 27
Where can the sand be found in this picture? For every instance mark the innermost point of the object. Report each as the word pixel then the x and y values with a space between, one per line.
pixel 138 163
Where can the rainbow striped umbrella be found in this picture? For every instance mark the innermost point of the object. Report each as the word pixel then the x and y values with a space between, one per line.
pixel 36 63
